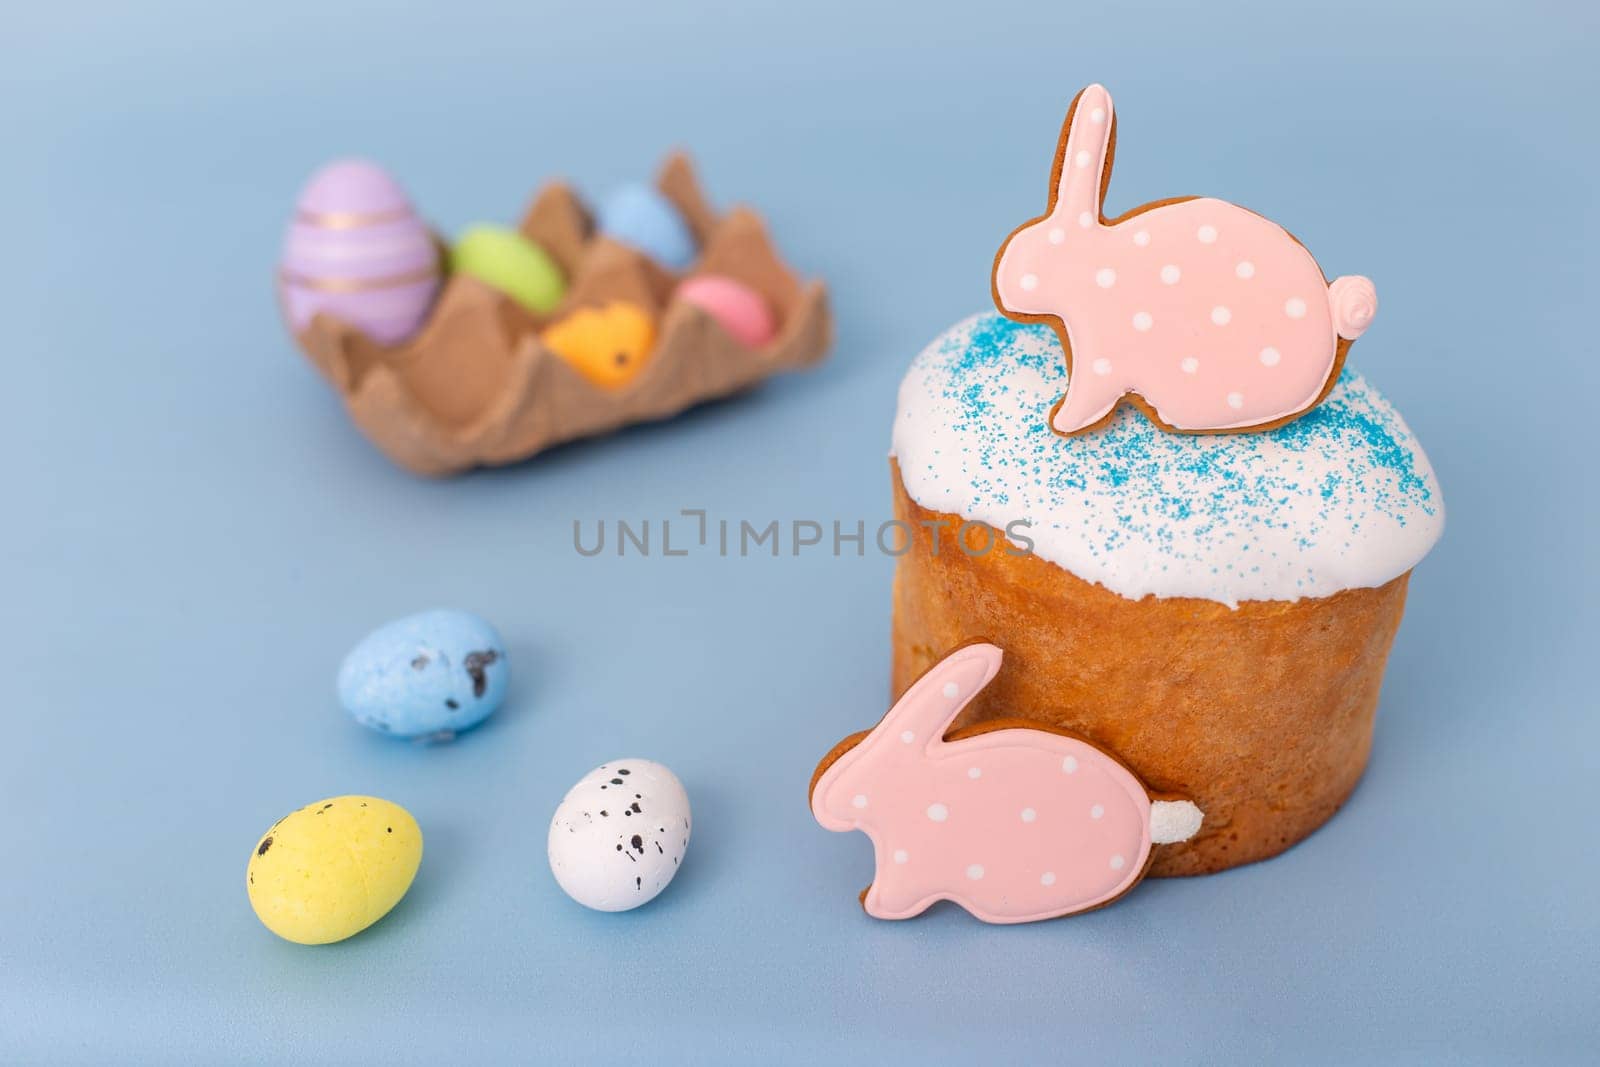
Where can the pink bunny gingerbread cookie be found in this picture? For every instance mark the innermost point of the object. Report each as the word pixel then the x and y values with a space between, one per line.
pixel 1013 822
pixel 1208 317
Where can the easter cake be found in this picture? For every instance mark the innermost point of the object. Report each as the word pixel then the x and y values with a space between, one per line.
pixel 573 324
pixel 1154 482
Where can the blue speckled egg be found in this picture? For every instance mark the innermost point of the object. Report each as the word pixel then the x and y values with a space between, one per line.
pixel 641 217
pixel 426 676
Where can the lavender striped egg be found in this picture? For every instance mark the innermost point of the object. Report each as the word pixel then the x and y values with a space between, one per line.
pixel 357 251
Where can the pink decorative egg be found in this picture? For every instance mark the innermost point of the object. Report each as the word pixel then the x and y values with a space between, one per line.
pixel 356 250
pixel 741 310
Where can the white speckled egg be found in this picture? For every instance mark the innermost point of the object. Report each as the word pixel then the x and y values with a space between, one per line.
pixel 620 834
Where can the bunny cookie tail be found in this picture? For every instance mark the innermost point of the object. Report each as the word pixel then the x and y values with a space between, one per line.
pixel 1354 302
pixel 1172 821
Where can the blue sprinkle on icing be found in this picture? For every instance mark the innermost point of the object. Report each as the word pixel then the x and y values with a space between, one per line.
pixel 1342 497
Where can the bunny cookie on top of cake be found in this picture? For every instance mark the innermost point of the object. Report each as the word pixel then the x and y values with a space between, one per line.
pixel 1211 317
pixel 1195 591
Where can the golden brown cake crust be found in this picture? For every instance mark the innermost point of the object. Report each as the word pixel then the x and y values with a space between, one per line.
pixel 1262 715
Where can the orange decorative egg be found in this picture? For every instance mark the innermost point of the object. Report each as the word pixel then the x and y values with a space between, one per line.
pixel 608 345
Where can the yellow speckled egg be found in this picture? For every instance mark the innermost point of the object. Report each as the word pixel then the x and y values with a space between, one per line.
pixel 607 345
pixel 333 868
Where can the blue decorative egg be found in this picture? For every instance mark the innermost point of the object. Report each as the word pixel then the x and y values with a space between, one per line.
pixel 641 217
pixel 427 676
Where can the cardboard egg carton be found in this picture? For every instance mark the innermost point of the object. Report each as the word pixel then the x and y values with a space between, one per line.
pixel 476 387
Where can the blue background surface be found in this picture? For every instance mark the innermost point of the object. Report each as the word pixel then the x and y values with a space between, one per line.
pixel 195 535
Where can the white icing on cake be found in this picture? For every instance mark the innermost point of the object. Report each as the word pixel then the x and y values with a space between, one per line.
pixel 1341 498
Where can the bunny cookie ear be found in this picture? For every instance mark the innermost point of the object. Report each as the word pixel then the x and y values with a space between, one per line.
pixel 1084 153
pixel 917 721
pixel 923 713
